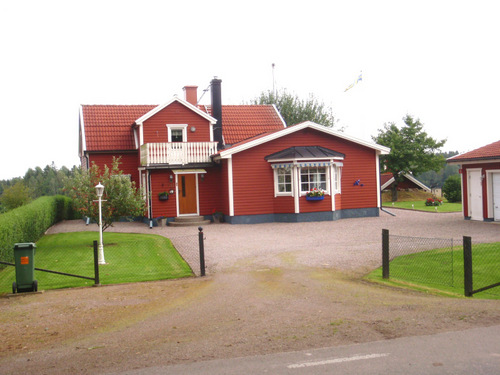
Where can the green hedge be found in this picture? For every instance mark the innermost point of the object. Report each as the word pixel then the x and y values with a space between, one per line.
pixel 28 223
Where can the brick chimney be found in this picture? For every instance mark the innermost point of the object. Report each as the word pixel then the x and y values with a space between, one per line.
pixel 191 94
pixel 215 90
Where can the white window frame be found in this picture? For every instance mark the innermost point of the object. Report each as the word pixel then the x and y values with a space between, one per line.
pixel 327 180
pixel 182 127
pixel 277 191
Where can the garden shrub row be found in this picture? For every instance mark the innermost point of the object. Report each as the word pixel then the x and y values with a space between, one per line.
pixel 28 223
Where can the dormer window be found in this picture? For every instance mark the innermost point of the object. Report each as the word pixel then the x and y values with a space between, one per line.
pixel 177 132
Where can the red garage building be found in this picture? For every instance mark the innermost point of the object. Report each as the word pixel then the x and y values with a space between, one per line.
pixel 480 170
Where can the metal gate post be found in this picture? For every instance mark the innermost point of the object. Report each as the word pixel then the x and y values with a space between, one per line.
pixel 467 266
pixel 202 251
pixel 97 282
pixel 385 253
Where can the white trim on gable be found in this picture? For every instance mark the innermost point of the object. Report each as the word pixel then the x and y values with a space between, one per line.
pixel 224 154
pixel 83 142
pixel 409 177
pixel 279 114
pixel 188 105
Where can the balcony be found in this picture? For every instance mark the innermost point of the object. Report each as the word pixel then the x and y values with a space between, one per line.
pixel 177 153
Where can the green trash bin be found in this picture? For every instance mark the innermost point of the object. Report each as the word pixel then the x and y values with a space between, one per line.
pixel 24 255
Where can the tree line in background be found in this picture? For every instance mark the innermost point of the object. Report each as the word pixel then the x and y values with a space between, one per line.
pixel 36 183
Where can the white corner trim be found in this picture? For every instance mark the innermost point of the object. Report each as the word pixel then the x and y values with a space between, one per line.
pixel 377 171
pixel 230 185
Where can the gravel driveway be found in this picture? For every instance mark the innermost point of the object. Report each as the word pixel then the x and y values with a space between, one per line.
pixel 270 288
pixel 348 244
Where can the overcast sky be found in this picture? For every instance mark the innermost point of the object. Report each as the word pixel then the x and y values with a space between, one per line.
pixel 435 60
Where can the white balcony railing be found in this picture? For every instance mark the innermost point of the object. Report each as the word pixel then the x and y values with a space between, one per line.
pixel 177 153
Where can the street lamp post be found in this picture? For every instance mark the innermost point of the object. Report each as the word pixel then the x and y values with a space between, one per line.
pixel 99 191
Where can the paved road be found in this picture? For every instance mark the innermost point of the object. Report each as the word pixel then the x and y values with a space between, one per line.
pixel 475 351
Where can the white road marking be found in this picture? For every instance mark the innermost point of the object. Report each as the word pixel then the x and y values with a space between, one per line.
pixel 338 360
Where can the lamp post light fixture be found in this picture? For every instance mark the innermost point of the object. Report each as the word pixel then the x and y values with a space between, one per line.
pixel 99 189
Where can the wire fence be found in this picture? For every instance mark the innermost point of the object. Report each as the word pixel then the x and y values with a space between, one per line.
pixel 442 262
pixel 127 258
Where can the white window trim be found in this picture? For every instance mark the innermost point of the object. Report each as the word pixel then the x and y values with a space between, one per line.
pixel 278 193
pixel 328 191
pixel 183 127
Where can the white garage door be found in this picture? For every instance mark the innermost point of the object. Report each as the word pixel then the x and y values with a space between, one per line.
pixel 475 195
pixel 496 196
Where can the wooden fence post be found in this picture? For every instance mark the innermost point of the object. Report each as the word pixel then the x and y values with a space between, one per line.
pixel 385 253
pixel 467 242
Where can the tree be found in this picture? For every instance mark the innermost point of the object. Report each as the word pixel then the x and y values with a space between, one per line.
pixel 295 110
pixel 120 198
pixel 15 196
pixel 412 151
pixel 452 189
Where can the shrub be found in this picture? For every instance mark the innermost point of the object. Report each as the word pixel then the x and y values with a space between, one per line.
pixel 452 189
pixel 29 222
pixel 433 202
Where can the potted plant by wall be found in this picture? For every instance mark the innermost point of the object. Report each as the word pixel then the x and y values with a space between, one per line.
pixel 315 194
pixel 163 196
pixel 218 216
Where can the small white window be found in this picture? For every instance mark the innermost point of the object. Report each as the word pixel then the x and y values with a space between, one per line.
pixel 177 132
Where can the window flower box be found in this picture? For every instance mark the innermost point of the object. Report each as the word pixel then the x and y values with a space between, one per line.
pixel 317 198
pixel 163 196
pixel 315 194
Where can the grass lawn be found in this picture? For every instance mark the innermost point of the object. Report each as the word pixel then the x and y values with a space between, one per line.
pixel 129 258
pixel 441 271
pixel 420 205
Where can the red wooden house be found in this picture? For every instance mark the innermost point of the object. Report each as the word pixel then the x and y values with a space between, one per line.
pixel 480 170
pixel 240 160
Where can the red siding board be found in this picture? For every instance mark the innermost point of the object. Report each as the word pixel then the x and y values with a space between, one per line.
pixel 128 163
pixel 160 182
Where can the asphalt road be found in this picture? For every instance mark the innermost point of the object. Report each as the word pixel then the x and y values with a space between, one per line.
pixel 475 351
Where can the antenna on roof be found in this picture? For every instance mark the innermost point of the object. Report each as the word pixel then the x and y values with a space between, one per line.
pixel 204 91
pixel 274 82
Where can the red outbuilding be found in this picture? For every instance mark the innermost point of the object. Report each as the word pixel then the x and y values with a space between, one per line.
pixel 480 170
pixel 238 160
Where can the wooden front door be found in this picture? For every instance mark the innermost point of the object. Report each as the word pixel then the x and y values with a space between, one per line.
pixel 186 191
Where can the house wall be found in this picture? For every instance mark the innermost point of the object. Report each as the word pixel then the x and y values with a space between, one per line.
pixel 253 181
pixel 486 193
pixel 155 129
pixel 128 163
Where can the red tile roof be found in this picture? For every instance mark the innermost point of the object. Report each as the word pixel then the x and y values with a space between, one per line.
pixel 488 152
pixel 109 127
pixel 240 122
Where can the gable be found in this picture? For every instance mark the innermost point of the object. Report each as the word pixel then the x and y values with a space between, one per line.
pixel 276 135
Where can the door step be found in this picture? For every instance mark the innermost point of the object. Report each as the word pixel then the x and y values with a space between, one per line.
pixel 188 221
